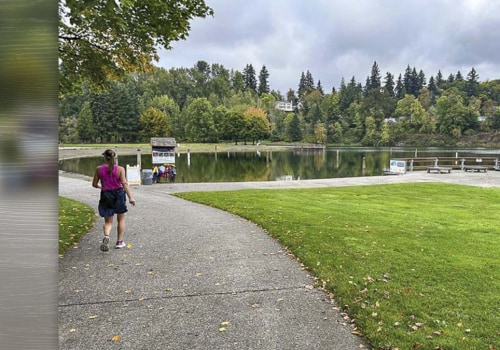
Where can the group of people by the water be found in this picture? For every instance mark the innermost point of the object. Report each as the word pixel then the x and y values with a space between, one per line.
pixel 166 171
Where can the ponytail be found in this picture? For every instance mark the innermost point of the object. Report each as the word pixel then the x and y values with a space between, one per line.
pixel 110 155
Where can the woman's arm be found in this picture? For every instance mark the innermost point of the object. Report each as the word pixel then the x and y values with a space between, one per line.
pixel 95 180
pixel 126 187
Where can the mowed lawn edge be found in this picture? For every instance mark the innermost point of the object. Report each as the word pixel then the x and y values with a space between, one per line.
pixel 75 220
pixel 415 265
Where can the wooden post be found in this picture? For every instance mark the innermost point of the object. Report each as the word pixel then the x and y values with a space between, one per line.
pixel 116 155
pixel 139 158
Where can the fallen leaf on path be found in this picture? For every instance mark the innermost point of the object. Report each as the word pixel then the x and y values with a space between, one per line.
pixel 116 338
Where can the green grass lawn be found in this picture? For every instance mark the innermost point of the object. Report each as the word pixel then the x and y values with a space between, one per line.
pixel 75 220
pixel 416 265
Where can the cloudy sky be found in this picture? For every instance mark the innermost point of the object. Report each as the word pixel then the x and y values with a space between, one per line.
pixel 342 38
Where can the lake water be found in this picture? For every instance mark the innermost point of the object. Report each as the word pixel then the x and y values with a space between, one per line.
pixel 280 165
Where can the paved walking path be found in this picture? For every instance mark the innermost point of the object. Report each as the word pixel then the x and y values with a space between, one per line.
pixel 195 277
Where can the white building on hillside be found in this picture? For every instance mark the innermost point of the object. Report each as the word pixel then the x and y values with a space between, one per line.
pixel 284 106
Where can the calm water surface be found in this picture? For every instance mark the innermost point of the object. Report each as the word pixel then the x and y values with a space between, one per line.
pixel 279 165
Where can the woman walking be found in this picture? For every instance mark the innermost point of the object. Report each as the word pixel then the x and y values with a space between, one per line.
pixel 113 185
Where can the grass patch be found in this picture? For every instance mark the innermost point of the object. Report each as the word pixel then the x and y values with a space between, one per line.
pixel 416 265
pixel 75 220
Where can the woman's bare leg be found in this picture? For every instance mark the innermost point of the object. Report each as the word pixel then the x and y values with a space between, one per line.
pixel 108 225
pixel 121 226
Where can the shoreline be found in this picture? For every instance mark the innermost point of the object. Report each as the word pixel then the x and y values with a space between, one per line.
pixel 92 151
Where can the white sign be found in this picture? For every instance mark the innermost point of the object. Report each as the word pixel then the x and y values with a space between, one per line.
pixel 398 166
pixel 162 157
pixel 133 175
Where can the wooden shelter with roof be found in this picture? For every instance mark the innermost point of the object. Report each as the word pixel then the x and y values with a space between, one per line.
pixel 163 150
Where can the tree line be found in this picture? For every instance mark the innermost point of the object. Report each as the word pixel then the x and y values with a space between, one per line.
pixel 210 103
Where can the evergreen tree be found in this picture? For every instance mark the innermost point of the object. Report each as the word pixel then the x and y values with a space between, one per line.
pixel 389 84
pixel 459 76
pixel 249 78
pixel 342 85
pixel 451 78
pixel 439 79
pixel 414 83
pixel 400 91
pixel 433 90
pixel 366 88
pixel 374 81
pixel 407 83
pixel 472 86
pixel 348 95
pixel 306 84
pixel 290 96
pixel 422 82
pixel 294 130
pixel 263 81
pixel 309 80
pixel 302 84
pixel 320 88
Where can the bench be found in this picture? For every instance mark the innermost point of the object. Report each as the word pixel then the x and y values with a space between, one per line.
pixel 438 170
pixel 473 168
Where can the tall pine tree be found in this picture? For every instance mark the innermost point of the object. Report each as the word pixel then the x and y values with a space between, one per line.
pixel 400 91
pixel 389 84
pixel 249 78
pixel 472 86
pixel 439 79
pixel 263 81
pixel 374 80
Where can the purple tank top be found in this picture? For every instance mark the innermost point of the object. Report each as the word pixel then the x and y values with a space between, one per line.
pixel 109 182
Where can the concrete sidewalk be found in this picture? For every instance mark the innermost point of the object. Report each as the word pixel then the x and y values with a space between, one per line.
pixel 194 277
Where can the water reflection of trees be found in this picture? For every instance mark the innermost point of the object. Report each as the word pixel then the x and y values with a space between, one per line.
pixel 266 166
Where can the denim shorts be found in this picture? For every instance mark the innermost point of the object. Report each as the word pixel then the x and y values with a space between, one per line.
pixel 117 206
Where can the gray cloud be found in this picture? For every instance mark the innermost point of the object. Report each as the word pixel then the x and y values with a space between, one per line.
pixel 342 38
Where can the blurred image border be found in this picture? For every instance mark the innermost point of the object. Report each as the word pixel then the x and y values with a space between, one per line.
pixel 28 174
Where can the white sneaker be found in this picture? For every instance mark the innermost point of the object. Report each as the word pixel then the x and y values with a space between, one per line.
pixel 105 244
pixel 120 244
